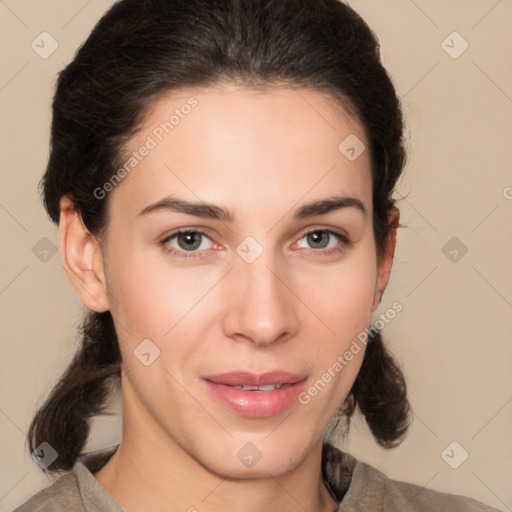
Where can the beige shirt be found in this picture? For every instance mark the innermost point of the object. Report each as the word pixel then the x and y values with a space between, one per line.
pixel 355 485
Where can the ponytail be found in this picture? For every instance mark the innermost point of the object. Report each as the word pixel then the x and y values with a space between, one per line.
pixel 80 394
pixel 380 393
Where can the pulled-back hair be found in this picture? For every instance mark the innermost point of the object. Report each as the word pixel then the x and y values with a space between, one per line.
pixel 141 50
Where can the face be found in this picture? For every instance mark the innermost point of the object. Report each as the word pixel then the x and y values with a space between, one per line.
pixel 257 284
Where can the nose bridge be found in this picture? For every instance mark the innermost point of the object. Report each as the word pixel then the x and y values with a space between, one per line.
pixel 262 308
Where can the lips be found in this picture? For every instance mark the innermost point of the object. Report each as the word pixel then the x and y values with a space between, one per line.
pixel 278 377
pixel 256 395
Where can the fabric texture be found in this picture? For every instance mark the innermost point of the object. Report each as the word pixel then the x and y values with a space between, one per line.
pixel 355 485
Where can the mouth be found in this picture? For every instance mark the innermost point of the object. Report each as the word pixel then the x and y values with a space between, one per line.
pixel 253 380
pixel 256 395
pixel 269 387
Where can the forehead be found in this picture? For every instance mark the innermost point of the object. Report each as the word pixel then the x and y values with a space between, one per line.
pixel 244 147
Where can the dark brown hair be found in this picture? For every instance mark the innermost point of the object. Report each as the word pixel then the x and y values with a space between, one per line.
pixel 141 50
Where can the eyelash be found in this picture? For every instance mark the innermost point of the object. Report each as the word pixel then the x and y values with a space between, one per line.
pixel 346 243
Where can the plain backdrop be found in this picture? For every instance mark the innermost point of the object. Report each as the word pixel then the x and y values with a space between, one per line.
pixel 451 63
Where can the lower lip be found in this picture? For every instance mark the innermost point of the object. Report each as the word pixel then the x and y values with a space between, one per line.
pixel 257 404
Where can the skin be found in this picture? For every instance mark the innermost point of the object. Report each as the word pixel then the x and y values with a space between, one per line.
pixel 261 154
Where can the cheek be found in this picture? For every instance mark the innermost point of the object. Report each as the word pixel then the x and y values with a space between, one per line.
pixel 150 296
pixel 343 295
pixel 343 302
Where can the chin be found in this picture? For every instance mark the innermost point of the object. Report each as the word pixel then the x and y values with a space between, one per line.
pixel 254 455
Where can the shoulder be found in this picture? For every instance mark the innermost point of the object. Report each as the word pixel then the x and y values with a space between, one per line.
pixel 368 488
pixel 76 490
pixel 416 498
pixel 62 495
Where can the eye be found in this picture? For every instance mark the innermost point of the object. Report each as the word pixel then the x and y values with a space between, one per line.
pixel 187 240
pixel 320 239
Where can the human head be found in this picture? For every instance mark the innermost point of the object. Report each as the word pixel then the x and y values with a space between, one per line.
pixel 141 51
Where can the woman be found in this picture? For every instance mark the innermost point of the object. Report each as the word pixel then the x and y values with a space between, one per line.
pixel 222 176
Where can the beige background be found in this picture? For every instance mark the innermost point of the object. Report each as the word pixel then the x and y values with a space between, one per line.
pixel 454 334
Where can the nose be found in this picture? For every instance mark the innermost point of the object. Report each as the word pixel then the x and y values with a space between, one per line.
pixel 262 307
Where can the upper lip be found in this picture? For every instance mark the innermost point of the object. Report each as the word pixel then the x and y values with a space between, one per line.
pixel 241 378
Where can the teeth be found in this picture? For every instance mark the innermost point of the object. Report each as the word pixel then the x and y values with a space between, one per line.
pixel 269 387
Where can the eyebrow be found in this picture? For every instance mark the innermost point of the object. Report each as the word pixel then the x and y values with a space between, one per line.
pixel 211 211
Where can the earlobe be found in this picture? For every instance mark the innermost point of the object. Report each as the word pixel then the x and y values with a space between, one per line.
pixel 81 258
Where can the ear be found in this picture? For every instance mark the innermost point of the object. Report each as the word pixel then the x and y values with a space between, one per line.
pixel 384 268
pixel 82 258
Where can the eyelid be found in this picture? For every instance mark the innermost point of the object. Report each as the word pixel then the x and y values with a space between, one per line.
pixel 337 231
